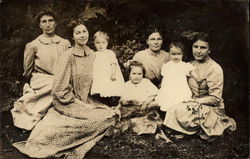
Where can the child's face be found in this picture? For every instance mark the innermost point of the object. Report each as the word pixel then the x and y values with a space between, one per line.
pixel 101 43
pixel 175 54
pixel 136 74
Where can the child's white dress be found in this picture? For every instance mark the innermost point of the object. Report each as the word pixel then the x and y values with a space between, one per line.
pixel 174 87
pixel 138 93
pixel 133 97
pixel 102 83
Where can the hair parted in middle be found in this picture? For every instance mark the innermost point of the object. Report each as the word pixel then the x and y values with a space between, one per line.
pixel 43 13
pixel 73 23
pixel 151 30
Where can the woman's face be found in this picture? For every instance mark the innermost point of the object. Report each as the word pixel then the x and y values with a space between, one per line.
pixel 200 50
pixel 154 41
pixel 136 74
pixel 175 54
pixel 47 24
pixel 80 35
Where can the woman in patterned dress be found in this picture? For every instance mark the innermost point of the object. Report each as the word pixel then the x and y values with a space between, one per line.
pixel 40 59
pixel 76 122
pixel 204 115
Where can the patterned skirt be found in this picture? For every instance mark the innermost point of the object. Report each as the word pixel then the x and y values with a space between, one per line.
pixel 57 134
pixel 191 118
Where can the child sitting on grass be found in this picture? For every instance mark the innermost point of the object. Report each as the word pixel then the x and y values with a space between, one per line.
pixel 135 104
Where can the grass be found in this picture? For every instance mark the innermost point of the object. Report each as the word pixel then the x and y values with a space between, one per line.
pixel 128 145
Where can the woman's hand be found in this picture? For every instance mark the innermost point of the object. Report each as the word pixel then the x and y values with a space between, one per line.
pixel 192 102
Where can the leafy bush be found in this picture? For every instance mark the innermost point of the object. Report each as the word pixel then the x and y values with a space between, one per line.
pixel 126 52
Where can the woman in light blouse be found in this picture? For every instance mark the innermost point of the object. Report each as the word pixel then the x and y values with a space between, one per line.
pixel 40 59
pixel 204 115
pixel 77 121
pixel 153 58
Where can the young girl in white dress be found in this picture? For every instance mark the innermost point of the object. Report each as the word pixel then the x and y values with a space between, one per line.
pixel 138 91
pixel 174 87
pixel 107 76
pixel 137 95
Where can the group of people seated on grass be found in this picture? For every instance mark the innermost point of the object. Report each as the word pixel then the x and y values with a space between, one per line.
pixel 66 105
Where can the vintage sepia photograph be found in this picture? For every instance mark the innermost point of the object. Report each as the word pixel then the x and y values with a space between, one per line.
pixel 127 79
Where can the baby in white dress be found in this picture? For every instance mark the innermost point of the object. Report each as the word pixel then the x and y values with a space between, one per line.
pixel 107 76
pixel 174 87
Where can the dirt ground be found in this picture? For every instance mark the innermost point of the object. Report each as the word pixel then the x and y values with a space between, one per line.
pixel 128 145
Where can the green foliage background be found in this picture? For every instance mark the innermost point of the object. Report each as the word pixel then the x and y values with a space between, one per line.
pixel 126 22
